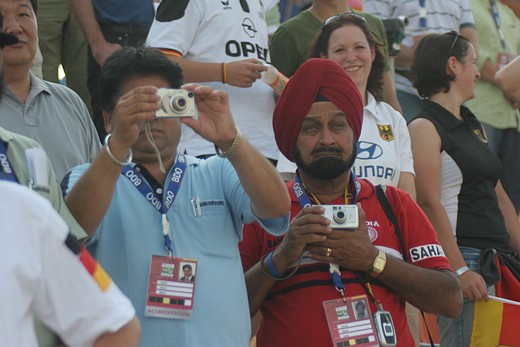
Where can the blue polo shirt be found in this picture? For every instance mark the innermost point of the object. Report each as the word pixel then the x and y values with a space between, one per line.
pixel 131 233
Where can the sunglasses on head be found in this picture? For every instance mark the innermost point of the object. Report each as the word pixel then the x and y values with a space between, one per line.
pixel 456 34
pixel 336 17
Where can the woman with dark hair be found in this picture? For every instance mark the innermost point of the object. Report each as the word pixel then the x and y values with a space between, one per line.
pixel 457 175
pixel 333 41
pixel 383 154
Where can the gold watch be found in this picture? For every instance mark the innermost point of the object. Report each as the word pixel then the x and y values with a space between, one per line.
pixel 379 264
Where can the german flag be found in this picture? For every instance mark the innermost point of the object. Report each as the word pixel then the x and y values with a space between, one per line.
pixel 496 323
pixel 93 267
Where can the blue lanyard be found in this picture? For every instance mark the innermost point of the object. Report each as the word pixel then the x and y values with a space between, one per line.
pixel 423 13
pixel 137 179
pixel 6 169
pixel 305 201
pixel 496 18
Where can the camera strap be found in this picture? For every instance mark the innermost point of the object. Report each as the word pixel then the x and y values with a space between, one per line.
pixel 133 174
pixel 368 289
pixel 389 212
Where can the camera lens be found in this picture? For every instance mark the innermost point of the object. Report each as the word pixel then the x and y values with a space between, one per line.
pixel 340 217
pixel 179 103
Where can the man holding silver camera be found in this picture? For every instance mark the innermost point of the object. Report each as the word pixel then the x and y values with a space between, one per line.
pixel 306 283
pixel 149 209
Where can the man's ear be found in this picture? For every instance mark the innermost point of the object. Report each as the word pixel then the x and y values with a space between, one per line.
pixel 107 117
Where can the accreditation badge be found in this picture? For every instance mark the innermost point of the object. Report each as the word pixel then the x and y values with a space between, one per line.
pixel 171 287
pixel 350 322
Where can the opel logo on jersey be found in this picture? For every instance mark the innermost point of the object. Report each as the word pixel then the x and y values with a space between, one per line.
pixel 249 27
pixel 368 150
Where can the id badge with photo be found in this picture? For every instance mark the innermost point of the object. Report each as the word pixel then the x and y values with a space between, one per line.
pixel 350 322
pixel 171 288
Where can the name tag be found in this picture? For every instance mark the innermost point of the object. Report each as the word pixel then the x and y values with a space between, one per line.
pixel 171 288
pixel 350 322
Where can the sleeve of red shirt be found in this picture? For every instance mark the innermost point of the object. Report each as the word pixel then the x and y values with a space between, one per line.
pixel 251 246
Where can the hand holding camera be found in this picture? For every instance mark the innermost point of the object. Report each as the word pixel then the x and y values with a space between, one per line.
pixel 347 245
pixel 213 121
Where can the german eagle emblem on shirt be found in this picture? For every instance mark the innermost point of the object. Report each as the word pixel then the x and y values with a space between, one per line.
pixel 386 132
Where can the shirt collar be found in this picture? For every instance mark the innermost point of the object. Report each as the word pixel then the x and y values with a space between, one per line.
pixel 6 135
pixel 371 107
pixel 37 86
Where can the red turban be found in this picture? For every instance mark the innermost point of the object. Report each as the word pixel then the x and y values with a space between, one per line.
pixel 315 76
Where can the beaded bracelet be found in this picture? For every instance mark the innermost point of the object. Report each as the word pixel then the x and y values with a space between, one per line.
pixel 129 157
pixel 232 149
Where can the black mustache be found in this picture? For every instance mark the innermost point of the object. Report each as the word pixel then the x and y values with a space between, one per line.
pixel 326 150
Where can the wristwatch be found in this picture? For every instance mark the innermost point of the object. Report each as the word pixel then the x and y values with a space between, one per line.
pixel 379 264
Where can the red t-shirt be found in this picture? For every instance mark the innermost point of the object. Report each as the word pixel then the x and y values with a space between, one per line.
pixel 293 313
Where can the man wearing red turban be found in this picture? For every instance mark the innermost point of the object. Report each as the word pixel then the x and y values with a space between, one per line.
pixel 314 79
pixel 307 282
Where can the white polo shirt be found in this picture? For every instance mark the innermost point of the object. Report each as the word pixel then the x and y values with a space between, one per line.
pixel 41 275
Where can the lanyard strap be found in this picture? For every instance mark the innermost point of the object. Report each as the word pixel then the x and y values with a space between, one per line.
pixel 138 180
pixel 6 169
pixel 368 290
pixel 496 19
pixel 423 14
pixel 305 201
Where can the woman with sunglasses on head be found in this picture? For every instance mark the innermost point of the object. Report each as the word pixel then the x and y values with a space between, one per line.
pixel 384 155
pixel 457 175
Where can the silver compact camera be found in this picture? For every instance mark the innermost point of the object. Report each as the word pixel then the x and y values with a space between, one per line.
pixel 176 103
pixel 342 216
